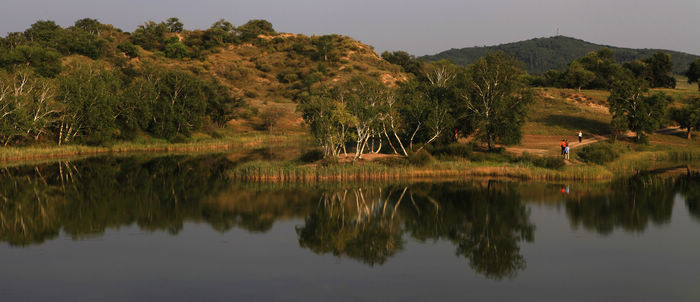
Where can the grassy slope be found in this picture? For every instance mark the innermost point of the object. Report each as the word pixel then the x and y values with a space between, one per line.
pixel 251 72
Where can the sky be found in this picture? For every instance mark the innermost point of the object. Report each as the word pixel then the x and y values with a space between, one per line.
pixel 418 27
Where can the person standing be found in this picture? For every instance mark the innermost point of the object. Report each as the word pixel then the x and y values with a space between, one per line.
pixel 566 153
pixel 562 145
pixel 580 136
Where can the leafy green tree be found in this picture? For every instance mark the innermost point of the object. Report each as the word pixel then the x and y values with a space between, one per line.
pixel 128 49
pixel 367 103
pixel 693 72
pixel 150 35
pixel 14 39
pixel 253 28
pixel 221 105
pixel 44 61
pixel 688 117
pixel 90 95
pixel 660 67
pixel 632 108
pixel 426 107
pixel 602 64
pixel 325 47
pixel 45 33
pixel 577 76
pixel 180 103
pixel 176 50
pixel 91 26
pixel 174 25
pixel 326 114
pixel 220 33
pixel 76 40
pixel 495 99
pixel 407 62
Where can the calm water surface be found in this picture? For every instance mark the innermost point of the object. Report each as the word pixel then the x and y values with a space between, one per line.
pixel 178 229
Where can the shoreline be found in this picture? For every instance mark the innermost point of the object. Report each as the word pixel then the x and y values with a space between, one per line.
pixel 276 171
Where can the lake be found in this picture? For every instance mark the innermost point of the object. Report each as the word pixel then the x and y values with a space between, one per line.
pixel 177 228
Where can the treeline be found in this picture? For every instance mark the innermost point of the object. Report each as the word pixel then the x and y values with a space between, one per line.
pixel 94 105
pixel 441 101
pixel 47 93
pixel 598 70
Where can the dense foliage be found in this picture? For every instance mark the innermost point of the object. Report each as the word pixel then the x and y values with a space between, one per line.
pixel 634 109
pixel 486 100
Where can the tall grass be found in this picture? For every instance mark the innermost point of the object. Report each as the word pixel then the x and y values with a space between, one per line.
pixel 8 154
pixel 265 171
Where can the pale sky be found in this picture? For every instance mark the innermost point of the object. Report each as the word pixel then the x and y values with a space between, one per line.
pixel 419 27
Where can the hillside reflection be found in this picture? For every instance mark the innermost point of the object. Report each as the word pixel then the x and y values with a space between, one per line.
pixel 486 221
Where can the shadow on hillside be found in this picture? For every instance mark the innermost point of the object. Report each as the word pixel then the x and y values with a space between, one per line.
pixel 575 123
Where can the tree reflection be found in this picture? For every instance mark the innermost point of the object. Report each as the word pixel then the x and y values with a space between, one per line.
pixel 629 204
pixel 359 223
pixel 486 224
pixel 689 186
pixel 485 221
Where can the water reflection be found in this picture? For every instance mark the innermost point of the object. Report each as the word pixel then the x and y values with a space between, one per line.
pixel 629 204
pixel 486 221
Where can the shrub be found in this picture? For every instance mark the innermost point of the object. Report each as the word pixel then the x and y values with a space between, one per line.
pixel 311 156
pixel 455 150
pixel 420 158
pixel 178 139
pixel 271 116
pixel 598 153
pixel 128 49
pixel 548 162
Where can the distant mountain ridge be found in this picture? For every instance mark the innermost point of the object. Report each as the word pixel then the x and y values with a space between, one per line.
pixel 542 54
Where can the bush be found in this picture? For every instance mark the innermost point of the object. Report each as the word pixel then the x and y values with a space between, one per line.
pixel 420 158
pixel 178 139
pixel 454 150
pixel 271 116
pixel 548 162
pixel 128 49
pixel 311 156
pixel 598 153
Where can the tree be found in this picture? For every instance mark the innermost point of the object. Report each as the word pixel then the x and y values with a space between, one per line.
pixel 45 33
pixel 688 117
pixel 91 26
pixel 426 105
pixel 27 105
pixel 175 50
pixel 632 108
pixel 495 99
pixel 45 62
pixel 660 66
pixel 577 76
pixel 128 49
pixel 89 94
pixel 367 100
pixel 693 72
pixel 174 25
pixel 602 64
pixel 407 62
pixel 253 28
pixel 326 113
pixel 325 46
pixel 150 35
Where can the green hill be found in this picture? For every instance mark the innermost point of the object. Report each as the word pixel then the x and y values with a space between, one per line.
pixel 542 54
